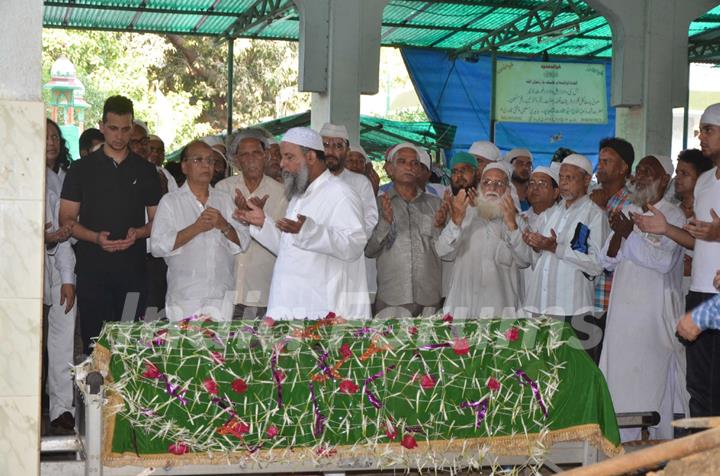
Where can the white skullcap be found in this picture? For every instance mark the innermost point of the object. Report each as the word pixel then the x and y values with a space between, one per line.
pixel 359 149
pixel 332 130
pixel 485 149
pixel 517 152
pixel 243 134
pixel 501 166
pixel 155 138
pixel 555 166
pixel 666 163
pixel 213 141
pixel 270 141
pixel 140 123
pixel 304 137
pixel 549 171
pixel 711 115
pixel 579 161
pixel 403 145
pixel 424 158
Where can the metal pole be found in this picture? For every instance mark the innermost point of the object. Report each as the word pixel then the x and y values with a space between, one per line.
pixel 230 66
pixel 686 113
pixel 492 97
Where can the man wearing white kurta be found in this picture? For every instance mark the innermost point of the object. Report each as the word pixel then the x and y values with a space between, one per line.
pixel 336 145
pixel 320 241
pixel 566 253
pixel 254 268
pixel 59 301
pixel 485 278
pixel 642 360
pixel 192 233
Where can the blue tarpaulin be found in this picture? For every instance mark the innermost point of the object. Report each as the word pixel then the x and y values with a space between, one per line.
pixel 459 92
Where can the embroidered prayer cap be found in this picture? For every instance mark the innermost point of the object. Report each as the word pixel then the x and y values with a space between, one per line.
pixel 666 163
pixel 517 152
pixel 485 149
pixel 140 123
pixel 579 161
pixel 215 143
pixel 406 145
pixel 333 130
pixel 711 115
pixel 549 171
pixel 359 149
pixel 502 166
pixel 241 135
pixel 464 158
pixel 304 137
pixel 424 157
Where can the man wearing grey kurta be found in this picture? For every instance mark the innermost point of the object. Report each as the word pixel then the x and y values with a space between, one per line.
pixel 408 268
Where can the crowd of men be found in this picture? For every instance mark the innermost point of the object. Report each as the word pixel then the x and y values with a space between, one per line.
pixel 303 228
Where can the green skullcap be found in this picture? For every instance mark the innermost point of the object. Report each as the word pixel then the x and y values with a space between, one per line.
pixel 464 158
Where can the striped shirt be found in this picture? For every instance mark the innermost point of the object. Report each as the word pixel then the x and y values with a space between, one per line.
pixel 707 315
pixel 604 281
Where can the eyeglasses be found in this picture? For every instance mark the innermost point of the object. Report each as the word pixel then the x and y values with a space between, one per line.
pixel 334 145
pixel 487 183
pixel 705 130
pixel 539 184
pixel 210 161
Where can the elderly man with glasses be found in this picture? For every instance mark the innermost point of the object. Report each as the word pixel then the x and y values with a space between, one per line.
pixel 192 233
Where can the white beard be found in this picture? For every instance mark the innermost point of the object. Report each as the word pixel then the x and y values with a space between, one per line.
pixel 642 196
pixel 296 183
pixel 489 208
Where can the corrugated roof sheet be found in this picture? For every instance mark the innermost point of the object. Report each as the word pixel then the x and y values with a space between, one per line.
pixel 459 26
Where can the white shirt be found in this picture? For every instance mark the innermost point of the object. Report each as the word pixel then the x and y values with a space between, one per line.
pixel 562 283
pixel 318 270
pixel 706 260
pixel 59 260
pixel 254 268
pixel 200 274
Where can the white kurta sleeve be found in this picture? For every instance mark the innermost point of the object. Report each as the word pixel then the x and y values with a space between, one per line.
pixel 343 237
pixel 242 230
pixel 660 257
pixel 608 262
pixel 64 254
pixel 370 208
pixel 268 235
pixel 164 230
pixel 446 244
pixel 589 263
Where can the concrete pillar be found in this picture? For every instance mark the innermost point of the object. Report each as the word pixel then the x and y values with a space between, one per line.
pixel 650 66
pixel 339 57
pixel 22 201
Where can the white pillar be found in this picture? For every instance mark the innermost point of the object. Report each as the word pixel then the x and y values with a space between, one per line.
pixel 22 201
pixel 650 66
pixel 339 57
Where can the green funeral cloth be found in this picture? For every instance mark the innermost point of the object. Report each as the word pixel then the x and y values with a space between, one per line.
pixel 199 386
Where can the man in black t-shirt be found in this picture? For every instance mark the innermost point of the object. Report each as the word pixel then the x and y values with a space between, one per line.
pixel 104 199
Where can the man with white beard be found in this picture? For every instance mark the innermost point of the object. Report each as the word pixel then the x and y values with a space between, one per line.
pixel 485 278
pixel 566 249
pixel 641 358
pixel 319 242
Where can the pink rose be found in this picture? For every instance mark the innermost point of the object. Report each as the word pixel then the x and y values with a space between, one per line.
pixel 447 318
pixel 151 371
pixel 178 448
pixel 272 432
pixel 492 384
pixel 268 321
pixel 427 382
pixel 211 386
pixel 217 357
pixel 348 387
pixel 512 334
pixel 345 351
pixel 460 346
pixel 409 442
pixel 239 386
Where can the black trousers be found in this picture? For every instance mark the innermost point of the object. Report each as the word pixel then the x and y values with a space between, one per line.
pixel 703 365
pixel 156 282
pixel 109 295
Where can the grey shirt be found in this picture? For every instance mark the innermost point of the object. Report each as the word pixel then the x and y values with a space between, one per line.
pixel 408 267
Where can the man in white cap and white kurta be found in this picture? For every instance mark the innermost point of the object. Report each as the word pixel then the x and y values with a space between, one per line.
pixel 643 362
pixel 320 241
pixel 521 161
pixel 485 277
pixel 701 233
pixel 566 246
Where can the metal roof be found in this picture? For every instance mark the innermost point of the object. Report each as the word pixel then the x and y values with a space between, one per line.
pixel 563 28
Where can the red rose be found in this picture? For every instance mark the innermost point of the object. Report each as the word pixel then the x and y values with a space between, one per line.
pixel 413 330
pixel 151 371
pixel 345 351
pixel 492 384
pixel 427 382
pixel 178 448
pixel 239 386
pixel 409 442
pixel 330 315
pixel 512 334
pixel 348 387
pixel 460 347
pixel 211 386
pixel 447 318
pixel 268 321
pixel 272 432
pixel 218 357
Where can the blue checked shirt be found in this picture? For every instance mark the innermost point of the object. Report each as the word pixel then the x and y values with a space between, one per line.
pixel 707 315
